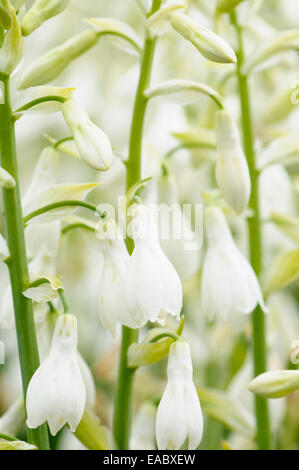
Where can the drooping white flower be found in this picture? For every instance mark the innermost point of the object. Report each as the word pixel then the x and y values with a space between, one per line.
pixel 179 415
pixel 113 309
pixel 178 241
pixel 7 320
pixel 228 283
pixel 56 392
pixel 232 172
pixel 93 144
pixel 153 285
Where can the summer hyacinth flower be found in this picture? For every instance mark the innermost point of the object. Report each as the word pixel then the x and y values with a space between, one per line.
pixel 113 309
pixel 93 145
pixel 232 172
pixel 179 415
pixel 228 284
pixel 152 284
pixel 56 392
pixel 178 241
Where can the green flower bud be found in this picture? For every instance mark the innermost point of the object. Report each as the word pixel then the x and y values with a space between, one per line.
pixel 50 65
pixel 5 17
pixel 208 43
pixel 275 384
pixel 41 11
pixel 12 48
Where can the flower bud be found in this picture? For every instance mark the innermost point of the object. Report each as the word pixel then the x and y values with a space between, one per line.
pixel 4 252
pixel 41 11
pixel 275 384
pixel 209 44
pixel 11 51
pixel 179 415
pixel 50 65
pixel 232 172
pixel 229 285
pixel 158 23
pixel 6 180
pixel 93 145
pixel 56 392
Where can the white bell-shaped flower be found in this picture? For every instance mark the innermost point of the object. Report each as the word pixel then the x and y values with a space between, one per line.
pixel 56 392
pixel 153 285
pixel 178 241
pixel 232 172
pixel 179 415
pixel 228 283
pixel 92 143
pixel 113 308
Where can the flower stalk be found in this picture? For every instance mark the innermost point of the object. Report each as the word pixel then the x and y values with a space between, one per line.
pixel 255 245
pixel 123 400
pixel 17 263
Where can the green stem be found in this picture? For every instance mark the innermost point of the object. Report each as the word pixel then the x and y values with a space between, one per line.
pixel 63 300
pixel 165 335
pixel 123 400
pixel 17 264
pixel 255 245
pixel 55 205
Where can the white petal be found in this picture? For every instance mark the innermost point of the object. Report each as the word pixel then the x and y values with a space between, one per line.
pixel 193 416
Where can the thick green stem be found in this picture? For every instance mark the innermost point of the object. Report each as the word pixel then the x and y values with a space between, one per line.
pixel 255 245
pixel 123 401
pixel 17 264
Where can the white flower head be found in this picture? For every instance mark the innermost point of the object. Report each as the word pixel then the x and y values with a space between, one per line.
pixel 153 285
pixel 113 308
pixel 179 415
pixel 228 284
pixel 178 241
pixel 232 172
pixel 56 392
pixel 92 143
